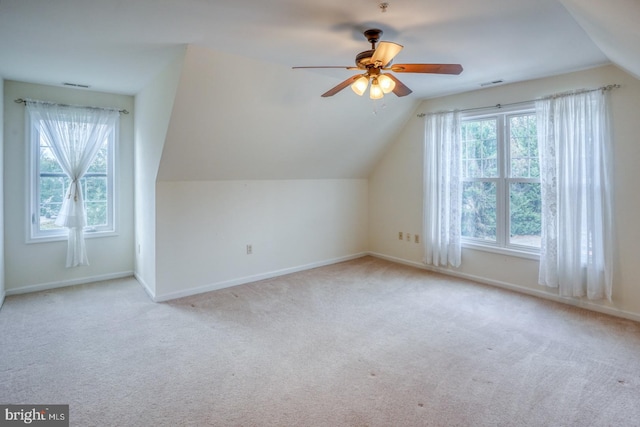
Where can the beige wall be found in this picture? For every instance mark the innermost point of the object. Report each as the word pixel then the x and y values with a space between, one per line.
pixel 203 229
pixel 396 189
pixel 33 266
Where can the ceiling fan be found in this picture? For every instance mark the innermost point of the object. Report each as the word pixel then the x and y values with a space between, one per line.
pixel 378 59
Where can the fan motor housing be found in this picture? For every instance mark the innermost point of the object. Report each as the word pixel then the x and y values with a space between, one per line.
pixel 363 59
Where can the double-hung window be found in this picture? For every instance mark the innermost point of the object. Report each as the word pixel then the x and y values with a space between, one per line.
pixel 501 181
pixel 49 183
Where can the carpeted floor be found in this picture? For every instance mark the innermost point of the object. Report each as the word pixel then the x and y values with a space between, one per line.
pixel 361 343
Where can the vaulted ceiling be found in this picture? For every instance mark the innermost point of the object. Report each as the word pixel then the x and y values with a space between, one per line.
pixel 117 45
pixel 256 117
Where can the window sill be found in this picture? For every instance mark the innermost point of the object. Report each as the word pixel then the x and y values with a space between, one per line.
pixel 63 237
pixel 512 251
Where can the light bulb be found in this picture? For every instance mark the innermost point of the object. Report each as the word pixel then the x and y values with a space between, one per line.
pixel 360 85
pixel 386 83
pixel 376 90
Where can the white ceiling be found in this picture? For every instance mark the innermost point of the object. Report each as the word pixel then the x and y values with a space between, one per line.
pixel 119 45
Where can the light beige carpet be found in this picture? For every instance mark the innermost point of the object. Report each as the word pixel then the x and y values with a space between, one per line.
pixel 361 343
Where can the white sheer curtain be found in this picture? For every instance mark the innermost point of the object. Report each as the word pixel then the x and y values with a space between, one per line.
pixel 74 135
pixel 442 189
pixel 575 155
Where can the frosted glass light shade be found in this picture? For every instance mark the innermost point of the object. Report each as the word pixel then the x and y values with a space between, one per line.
pixel 376 91
pixel 360 85
pixel 386 83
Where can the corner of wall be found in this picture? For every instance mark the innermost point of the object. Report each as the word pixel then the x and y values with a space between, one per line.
pixel 153 109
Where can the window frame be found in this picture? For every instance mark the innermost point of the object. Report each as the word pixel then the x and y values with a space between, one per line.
pixel 33 232
pixel 503 183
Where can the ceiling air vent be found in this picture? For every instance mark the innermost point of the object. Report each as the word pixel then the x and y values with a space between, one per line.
pixel 76 85
pixel 493 83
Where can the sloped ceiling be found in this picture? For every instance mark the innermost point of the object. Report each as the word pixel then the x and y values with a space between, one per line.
pixel 613 27
pixel 264 121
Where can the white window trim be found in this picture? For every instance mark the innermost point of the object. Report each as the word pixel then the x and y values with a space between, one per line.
pixel 501 245
pixel 32 234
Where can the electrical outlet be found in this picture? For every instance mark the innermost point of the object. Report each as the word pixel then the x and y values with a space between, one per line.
pixel 416 238
pixel 408 237
pixel 400 237
pixel 249 249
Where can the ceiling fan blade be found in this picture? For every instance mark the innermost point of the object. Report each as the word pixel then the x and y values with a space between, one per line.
pixel 345 67
pixel 341 86
pixel 400 89
pixel 427 68
pixel 385 52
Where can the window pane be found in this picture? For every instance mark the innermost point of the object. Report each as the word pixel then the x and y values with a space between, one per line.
pixel 99 164
pixel 53 184
pixel 96 213
pixel 48 163
pixel 524 206
pixel 524 146
pixel 95 200
pixel 479 210
pixel 479 149
pixel 52 189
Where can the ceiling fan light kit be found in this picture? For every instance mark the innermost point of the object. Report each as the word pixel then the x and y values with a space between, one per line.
pixel 376 91
pixel 360 85
pixel 378 59
pixel 386 83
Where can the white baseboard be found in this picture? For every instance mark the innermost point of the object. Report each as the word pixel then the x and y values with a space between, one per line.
pixel 145 286
pixel 399 260
pixel 65 283
pixel 613 311
pixel 249 279
pixel 586 304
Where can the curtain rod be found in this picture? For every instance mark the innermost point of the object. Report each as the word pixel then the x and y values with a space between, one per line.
pixel 558 95
pixel 24 101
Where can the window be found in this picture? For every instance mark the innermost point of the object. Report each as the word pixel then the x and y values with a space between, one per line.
pixel 49 184
pixel 501 181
